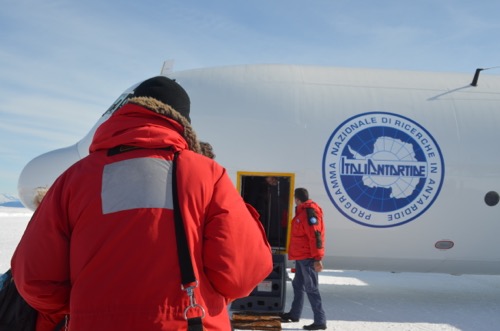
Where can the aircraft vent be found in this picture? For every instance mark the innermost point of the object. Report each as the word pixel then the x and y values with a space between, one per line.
pixel 444 244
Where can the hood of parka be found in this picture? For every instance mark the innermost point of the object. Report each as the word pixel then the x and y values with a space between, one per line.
pixel 145 122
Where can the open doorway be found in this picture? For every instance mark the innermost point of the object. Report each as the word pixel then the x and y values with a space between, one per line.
pixel 271 195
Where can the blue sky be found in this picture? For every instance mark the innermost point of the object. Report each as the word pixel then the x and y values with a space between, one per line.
pixel 63 62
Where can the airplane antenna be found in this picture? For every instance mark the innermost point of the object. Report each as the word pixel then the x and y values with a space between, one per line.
pixel 166 70
pixel 476 75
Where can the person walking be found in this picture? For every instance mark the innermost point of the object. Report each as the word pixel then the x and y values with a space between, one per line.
pixel 101 247
pixel 307 242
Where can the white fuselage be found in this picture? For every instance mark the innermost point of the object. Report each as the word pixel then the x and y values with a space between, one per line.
pixel 400 162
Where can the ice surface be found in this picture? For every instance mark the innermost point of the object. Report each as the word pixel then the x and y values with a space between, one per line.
pixel 362 300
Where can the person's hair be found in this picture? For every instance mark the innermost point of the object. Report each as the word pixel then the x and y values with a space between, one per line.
pixel 301 194
pixel 39 194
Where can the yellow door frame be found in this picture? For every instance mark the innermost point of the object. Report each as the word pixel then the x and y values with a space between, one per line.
pixel 241 174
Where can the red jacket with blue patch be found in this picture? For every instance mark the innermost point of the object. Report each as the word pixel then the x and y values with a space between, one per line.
pixel 307 235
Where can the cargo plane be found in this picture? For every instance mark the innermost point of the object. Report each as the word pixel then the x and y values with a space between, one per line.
pixel 404 164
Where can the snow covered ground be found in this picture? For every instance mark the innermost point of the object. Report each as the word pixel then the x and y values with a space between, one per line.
pixel 372 301
pixel 13 221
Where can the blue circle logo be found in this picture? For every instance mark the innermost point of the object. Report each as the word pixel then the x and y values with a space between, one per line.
pixel 382 169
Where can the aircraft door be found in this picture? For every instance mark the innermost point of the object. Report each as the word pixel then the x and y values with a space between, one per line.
pixel 272 196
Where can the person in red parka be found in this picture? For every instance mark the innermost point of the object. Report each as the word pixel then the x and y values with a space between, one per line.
pixel 101 247
pixel 307 248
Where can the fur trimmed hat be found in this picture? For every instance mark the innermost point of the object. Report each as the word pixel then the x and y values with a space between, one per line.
pixel 167 91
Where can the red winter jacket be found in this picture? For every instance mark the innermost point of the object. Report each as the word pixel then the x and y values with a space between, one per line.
pixel 307 238
pixel 101 247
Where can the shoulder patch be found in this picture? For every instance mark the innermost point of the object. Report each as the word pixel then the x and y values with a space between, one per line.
pixel 311 216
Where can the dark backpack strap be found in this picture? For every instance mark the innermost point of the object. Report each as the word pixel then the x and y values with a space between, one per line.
pixel 195 324
pixel 185 263
pixel 187 273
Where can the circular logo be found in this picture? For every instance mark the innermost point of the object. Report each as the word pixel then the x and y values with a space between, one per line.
pixel 382 169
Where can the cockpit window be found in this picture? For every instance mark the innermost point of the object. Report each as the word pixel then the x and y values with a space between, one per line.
pixel 118 103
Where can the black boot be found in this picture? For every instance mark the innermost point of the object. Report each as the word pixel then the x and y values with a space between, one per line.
pixel 315 326
pixel 286 318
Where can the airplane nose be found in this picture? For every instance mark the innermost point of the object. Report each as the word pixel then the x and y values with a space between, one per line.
pixel 43 170
pixel 51 164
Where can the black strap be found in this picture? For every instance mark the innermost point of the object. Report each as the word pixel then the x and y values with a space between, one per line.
pixel 120 149
pixel 127 148
pixel 185 263
pixel 195 324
